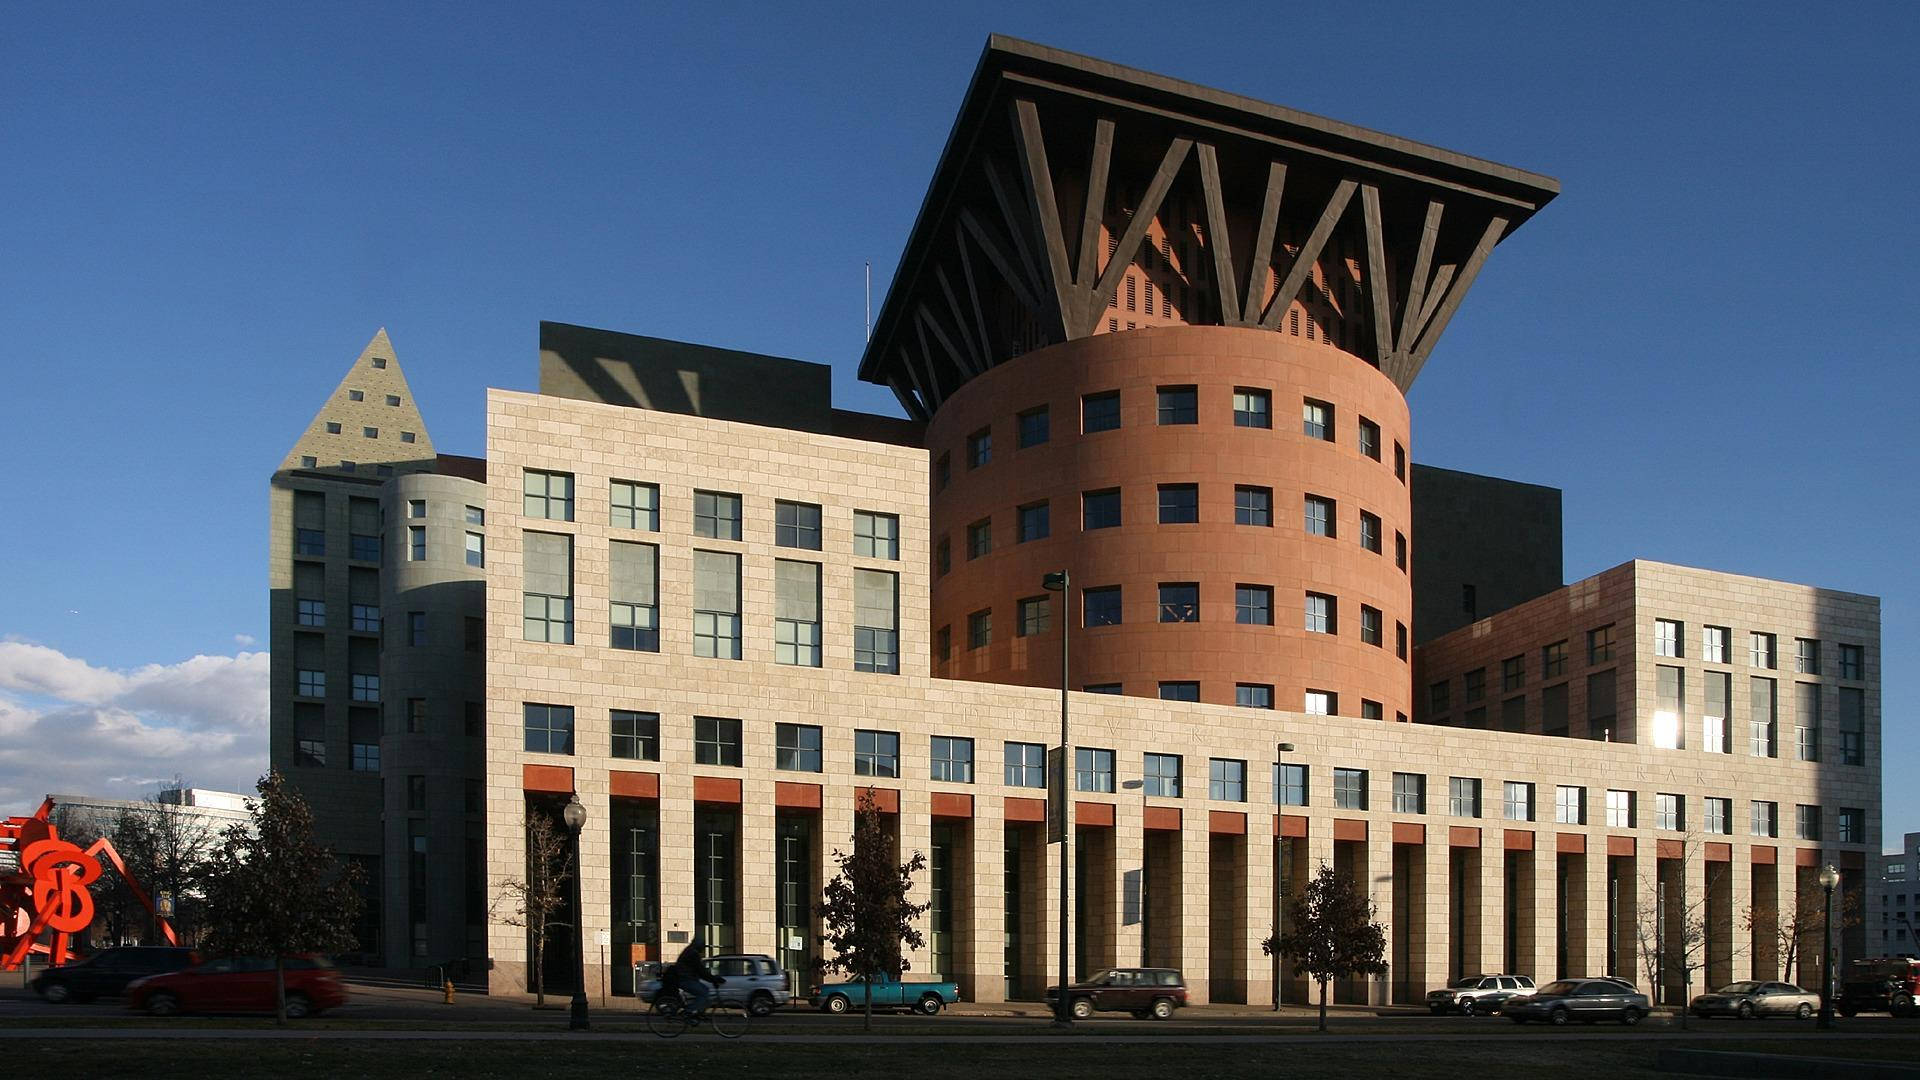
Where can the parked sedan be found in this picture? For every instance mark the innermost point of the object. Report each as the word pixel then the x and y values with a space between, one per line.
pixel 1585 1000
pixel 107 973
pixel 1747 1000
pixel 240 984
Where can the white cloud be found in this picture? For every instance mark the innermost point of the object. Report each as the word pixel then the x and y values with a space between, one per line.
pixel 243 640
pixel 68 726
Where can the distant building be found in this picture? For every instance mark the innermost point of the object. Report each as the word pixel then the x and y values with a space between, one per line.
pixel 1896 903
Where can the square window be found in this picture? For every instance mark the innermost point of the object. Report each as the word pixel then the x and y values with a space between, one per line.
pixel 1035 618
pixel 1253 605
pixel 979 448
pixel 1669 811
pixel 796 525
pixel 797 641
pixel 549 729
pixel 1290 784
pixel 548 495
pixel 1179 602
pixel 636 735
pixel 364 618
pixel 380 362
pixel 366 687
pixel 1034 428
pixel 1553 660
pixel 356 395
pixel 796 747
pixel 1092 769
pixel 311 613
pixel 1807 822
pixel 876 535
pixel 1322 614
pixel 952 759
pixel 407 436
pixel 1317 419
pixel 1180 690
pixel 979 538
pixel 1764 818
pixel 1463 796
pixel 1179 504
pixel 363 548
pixel 311 684
pixel 1569 805
pixel 1026 765
pixel 1474 685
pixel 333 427
pixel 1100 412
pixel 1620 813
pixel 1035 522
pixel 1179 405
pixel 876 649
pixel 1806 656
pixel 1350 789
pixel 1161 775
pixel 1252 408
pixel 1321 703
pixel 1513 673
pixel 1319 516
pixel 1372 710
pixel 1101 607
pixel 1763 651
pixel 370 432
pixel 635 505
pixel 1719 815
pixel 1100 509
pixel 1252 505
pixel 716 514
pixel 1853 661
pixel 1518 804
pixel 1409 793
pixel 416 508
pixel 1253 695
pixel 393 399
pixel 1227 780
pixel 1853 826
pixel 716 741
pixel 309 461
pixel 1370 438
pixel 876 753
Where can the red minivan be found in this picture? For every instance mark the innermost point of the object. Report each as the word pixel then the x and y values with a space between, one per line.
pixel 241 984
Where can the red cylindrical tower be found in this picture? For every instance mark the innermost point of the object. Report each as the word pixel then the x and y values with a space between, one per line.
pixel 1232 467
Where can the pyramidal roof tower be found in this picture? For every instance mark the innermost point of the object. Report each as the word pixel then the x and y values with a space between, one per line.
pixel 370 420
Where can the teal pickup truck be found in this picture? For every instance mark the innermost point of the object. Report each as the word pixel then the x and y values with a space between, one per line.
pixel 888 993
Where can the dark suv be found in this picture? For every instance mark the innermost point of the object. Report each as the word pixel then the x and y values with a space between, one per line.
pixel 1144 992
pixel 1888 984
pixel 107 973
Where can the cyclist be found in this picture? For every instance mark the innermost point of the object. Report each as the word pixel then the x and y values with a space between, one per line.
pixel 690 976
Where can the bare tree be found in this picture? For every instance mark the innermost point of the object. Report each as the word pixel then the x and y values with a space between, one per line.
pixel 1671 927
pixel 166 847
pixel 1804 918
pixel 533 901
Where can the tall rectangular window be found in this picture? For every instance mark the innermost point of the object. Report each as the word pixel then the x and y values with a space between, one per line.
pixel 547 598
pixel 1763 818
pixel 1101 606
pixel 1669 708
pixel 1026 765
pixel 1666 637
pixel 1179 504
pixel 716 515
pixel 952 759
pixel 796 613
pixel 1518 804
pixel 1162 775
pixel 1719 815
pixel 980 538
pixel 1853 726
pixel 1463 796
pixel 1806 720
pixel 1570 805
pixel 476 549
pixel 1853 662
pixel 548 495
pixel 1669 811
pixel 1713 644
pixel 1370 438
pixel 796 525
pixel 1035 616
pixel 1179 405
pixel 1439 697
pixel 1092 769
pixel 1253 695
pixel 1806 656
pixel 1620 812
pixel 1853 825
pixel 796 747
pixel 635 505
pixel 1320 520
pixel 416 543
pixel 716 605
pixel 942 472
pixel 1253 605
pixel 876 535
pixel 1807 822
pixel 416 628
pixel 1763 705
pixel 1350 789
pixel 1179 601
pixel 636 735
pixel 876 621
pixel 942 557
pixel 1399 462
pixel 1370 532
pixel 1763 651
pixel 1322 614
pixel 1100 509
pixel 1553 660
pixel 1713 716
pixel 1371 626
pixel 1034 427
pixel 1100 412
pixel 980 448
pixel 1035 522
pixel 1226 780
pixel 1473 685
pixel 980 629
pixel 1290 784
pixel 716 741
pixel 549 729
pixel 1409 793
pixel 363 741
pixel 1316 419
pixel 1399 550
pixel 1600 644
pixel 633 615
pixel 1252 408
pixel 1252 505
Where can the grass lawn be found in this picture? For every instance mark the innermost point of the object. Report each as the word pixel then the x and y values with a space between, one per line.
pixel 703 1056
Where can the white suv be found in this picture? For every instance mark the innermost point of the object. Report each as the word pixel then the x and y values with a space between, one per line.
pixel 752 980
pixel 1478 994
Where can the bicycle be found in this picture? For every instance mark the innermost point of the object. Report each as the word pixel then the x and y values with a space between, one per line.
pixel 668 1016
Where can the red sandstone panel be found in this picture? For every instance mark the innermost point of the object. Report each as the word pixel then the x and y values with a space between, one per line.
pixel 1290 826
pixel 1669 849
pixel 791 796
pixel 1718 852
pixel 1226 822
pixel 1215 552
pixel 886 800
pixel 950 804
pixel 1764 855
pixel 1620 845
pixel 1409 832
pixel 716 789
pixel 1162 818
pixel 556 778
pixel 1093 813
pixel 1571 843
pixel 1017 809
pixel 1519 840
pixel 1806 856
pixel 1349 829
pixel 633 785
pixel 1463 836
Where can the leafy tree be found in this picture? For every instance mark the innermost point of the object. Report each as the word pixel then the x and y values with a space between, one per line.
pixel 865 910
pixel 534 900
pixel 272 890
pixel 1333 934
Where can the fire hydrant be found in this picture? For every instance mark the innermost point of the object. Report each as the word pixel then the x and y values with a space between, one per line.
pixel 447 989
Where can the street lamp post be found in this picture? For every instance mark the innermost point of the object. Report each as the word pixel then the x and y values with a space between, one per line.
pixel 1061 582
pixel 1829 879
pixel 575 818
pixel 1279 860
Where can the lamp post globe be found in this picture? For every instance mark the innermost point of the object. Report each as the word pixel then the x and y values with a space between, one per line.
pixel 1829 880
pixel 574 816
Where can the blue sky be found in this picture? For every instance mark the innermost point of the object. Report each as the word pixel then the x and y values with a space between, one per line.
pixel 1707 341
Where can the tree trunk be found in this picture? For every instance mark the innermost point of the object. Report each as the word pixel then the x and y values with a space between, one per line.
pixel 280 990
pixel 539 990
pixel 1323 1004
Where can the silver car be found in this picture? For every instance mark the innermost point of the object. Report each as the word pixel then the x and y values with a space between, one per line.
pixel 1747 1000
pixel 753 981
pixel 1477 994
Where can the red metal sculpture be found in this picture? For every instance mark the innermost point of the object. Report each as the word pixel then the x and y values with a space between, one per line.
pixel 45 891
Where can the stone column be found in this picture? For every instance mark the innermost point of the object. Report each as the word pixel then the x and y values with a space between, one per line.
pixel 1434 926
pixel 1492 953
pixel 1191 932
pixel 1129 863
pixel 1256 893
pixel 1379 886
pixel 759 897
pixel 677 923
pixel 984 962
pixel 836 832
pixel 915 830
pixel 1544 964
